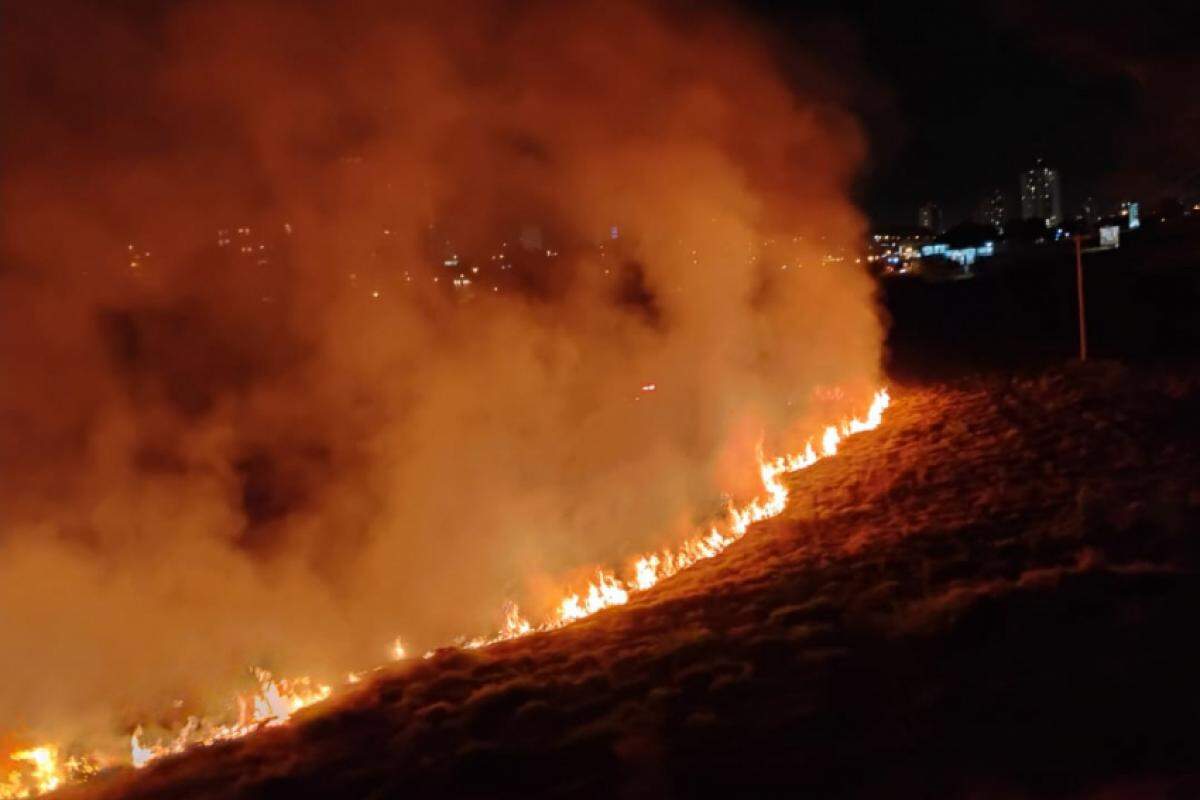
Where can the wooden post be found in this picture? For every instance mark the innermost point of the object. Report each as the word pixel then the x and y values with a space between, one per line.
pixel 1079 290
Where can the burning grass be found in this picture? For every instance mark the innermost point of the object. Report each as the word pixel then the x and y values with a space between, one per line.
pixel 277 699
pixel 989 597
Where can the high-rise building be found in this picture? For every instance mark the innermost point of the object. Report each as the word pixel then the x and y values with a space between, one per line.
pixel 1088 212
pixel 992 210
pixel 929 216
pixel 1130 211
pixel 1041 195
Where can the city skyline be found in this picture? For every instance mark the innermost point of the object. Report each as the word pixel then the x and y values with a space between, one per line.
pixel 957 100
pixel 1041 194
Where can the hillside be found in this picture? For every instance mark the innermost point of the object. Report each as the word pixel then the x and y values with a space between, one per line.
pixel 991 596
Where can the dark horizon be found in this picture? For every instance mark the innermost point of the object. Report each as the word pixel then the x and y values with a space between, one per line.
pixel 958 100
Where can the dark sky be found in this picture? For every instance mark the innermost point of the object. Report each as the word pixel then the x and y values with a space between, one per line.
pixel 957 98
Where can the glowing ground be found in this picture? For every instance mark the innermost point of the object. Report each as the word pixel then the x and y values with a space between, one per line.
pixel 991 596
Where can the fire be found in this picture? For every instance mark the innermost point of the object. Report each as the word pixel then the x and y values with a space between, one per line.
pixel 39 769
pixel 273 704
pixel 41 775
pixel 515 626
pixel 606 590
pixel 829 442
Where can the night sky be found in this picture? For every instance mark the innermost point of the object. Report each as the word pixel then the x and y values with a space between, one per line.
pixel 958 98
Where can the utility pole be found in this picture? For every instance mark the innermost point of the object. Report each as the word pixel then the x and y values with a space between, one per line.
pixel 1079 290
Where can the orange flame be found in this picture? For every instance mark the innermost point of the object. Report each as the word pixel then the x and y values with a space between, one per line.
pixel 38 770
pixel 273 704
pixel 277 699
pixel 606 590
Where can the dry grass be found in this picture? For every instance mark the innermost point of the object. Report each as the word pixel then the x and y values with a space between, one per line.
pixel 992 596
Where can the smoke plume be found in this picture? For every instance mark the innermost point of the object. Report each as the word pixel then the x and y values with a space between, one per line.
pixel 323 325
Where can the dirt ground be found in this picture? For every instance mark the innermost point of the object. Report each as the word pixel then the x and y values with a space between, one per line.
pixel 992 596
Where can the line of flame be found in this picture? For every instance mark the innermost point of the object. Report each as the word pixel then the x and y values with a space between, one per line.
pixel 277 699
pixel 273 704
pixel 606 590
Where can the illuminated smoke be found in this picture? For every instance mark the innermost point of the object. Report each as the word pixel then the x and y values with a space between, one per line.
pixel 248 418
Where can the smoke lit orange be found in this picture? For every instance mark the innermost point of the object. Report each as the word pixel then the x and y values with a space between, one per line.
pixel 39 770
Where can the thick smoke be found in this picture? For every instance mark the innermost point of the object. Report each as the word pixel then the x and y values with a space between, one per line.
pixel 248 418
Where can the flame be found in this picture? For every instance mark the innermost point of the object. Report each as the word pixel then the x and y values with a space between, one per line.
pixel 42 774
pixel 650 569
pixel 39 770
pixel 514 627
pixel 273 704
pixel 606 590
pixel 276 700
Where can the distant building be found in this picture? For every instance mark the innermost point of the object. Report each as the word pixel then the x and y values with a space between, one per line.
pixel 1041 195
pixel 929 216
pixel 1130 211
pixel 963 256
pixel 992 210
pixel 247 245
pixel 891 249
pixel 1089 212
